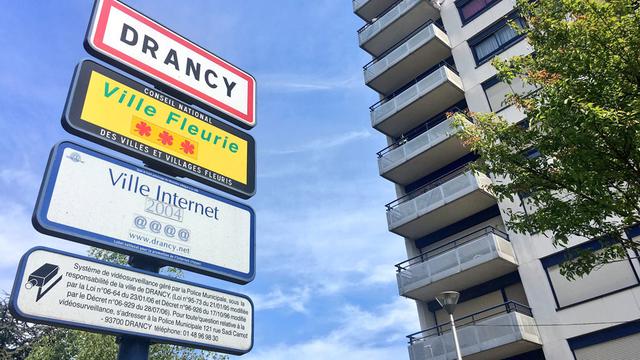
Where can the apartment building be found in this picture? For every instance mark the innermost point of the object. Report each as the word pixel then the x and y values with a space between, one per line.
pixel 430 59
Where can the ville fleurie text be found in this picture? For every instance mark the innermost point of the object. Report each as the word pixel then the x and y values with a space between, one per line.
pixel 113 110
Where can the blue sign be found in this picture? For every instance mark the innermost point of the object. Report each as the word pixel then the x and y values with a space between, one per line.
pixel 94 199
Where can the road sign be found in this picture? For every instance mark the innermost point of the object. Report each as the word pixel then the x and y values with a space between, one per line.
pixel 94 199
pixel 130 40
pixel 58 288
pixel 120 113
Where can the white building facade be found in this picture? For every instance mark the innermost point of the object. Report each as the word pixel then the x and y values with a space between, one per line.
pixel 431 59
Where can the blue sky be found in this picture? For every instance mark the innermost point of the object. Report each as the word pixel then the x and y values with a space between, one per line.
pixel 325 285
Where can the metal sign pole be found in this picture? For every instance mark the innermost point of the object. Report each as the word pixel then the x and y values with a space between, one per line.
pixel 136 347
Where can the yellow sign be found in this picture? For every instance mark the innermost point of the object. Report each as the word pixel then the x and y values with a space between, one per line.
pixel 157 121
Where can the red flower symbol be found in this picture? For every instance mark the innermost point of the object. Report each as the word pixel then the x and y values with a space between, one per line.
pixel 143 129
pixel 166 138
pixel 187 147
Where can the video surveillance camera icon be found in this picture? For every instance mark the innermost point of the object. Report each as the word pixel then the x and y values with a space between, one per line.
pixel 41 277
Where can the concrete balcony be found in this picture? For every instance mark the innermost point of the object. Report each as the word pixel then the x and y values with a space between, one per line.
pixel 370 9
pixel 442 202
pixel 496 333
pixel 422 151
pixel 394 24
pixel 471 260
pixel 431 93
pixel 425 47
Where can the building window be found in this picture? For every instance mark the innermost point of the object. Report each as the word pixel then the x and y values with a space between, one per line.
pixel 495 39
pixel 616 342
pixel 532 153
pixel 607 279
pixel 470 9
pixel 496 91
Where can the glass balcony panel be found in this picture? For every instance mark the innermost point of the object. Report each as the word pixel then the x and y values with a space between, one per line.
pixel 369 10
pixel 460 184
pixel 419 39
pixel 385 20
pixel 420 89
pixel 391 158
pixel 419 143
pixel 418 271
pixel 377 25
pixel 384 110
pixel 389 59
pixel 467 336
pixel 444 265
pixel 449 190
pixel 498 330
pixel 434 349
pixel 406 96
pixel 402 212
pixel 431 137
pixel 429 200
pixel 408 160
pixel 498 333
pixel 428 83
pixel 477 252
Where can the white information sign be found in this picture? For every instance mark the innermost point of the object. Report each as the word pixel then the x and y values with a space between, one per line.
pixel 57 288
pixel 101 201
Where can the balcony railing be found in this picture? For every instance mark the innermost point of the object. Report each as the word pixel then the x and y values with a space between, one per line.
pixel 416 80
pixel 453 245
pixel 472 319
pixel 434 125
pixel 503 326
pixel 414 91
pixel 442 202
pixel 487 250
pixel 369 10
pixel 428 187
pixel 387 17
pixel 400 49
pixel 379 17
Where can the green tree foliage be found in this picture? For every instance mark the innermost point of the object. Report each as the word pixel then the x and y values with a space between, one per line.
pixel 584 121
pixel 17 337
pixel 64 344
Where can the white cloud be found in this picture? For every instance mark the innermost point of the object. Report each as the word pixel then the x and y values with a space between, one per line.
pixel 305 83
pixel 17 236
pixel 23 177
pixel 381 274
pixel 294 300
pixel 339 242
pixel 324 143
pixel 284 170
pixel 359 335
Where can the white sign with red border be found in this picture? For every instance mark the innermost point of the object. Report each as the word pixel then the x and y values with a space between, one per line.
pixel 132 41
